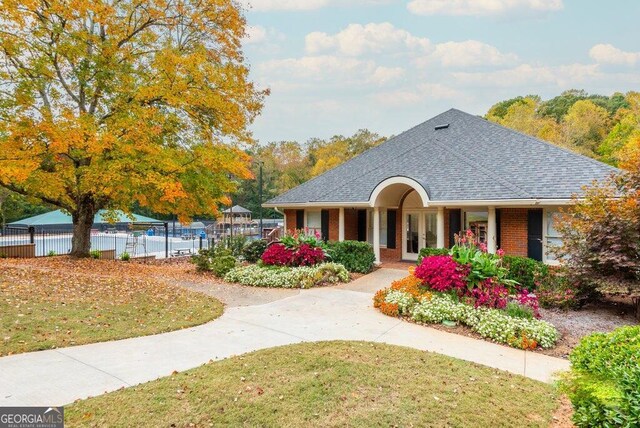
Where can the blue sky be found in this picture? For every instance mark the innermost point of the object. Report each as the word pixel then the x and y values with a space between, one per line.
pixel 336 66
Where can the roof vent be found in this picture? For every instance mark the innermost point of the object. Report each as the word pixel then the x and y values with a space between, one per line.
pixel 445 126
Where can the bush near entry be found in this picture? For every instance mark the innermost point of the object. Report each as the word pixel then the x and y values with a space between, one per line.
pixel 356 256
pixel 527 272
pixel 604 382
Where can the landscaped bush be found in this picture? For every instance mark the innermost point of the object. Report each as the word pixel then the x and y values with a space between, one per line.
pixel 288 277
pixel 558 290
pixel 298 249
pixel 494 324
pixel 426 252
pixel 356 256
pixel 278 255
pixel 442 273
pixel 217 259
pixel 253 251
pixel 604 382
pixel 527 272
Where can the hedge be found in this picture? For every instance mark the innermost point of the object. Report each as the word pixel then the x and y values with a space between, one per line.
pixel 525 271
pixel 427 252
pixel 356 256
pixel 604 382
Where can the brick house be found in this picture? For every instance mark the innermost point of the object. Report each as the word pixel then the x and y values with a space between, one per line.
pixel 453 172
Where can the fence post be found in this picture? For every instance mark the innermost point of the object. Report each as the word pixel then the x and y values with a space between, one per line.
pixel 32 235
pixel 201 242
pixel 166 239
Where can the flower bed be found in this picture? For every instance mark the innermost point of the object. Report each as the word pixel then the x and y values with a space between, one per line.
pixel 288 277
pixel 470 287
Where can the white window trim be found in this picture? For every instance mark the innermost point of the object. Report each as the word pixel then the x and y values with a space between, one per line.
pixel 545 236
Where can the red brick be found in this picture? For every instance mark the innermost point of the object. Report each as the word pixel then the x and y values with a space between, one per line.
pixel 514 231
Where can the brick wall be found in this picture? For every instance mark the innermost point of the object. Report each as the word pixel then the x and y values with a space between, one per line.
pixel 290 216
pixel 350 224
pixel 513 231
pixel 395 254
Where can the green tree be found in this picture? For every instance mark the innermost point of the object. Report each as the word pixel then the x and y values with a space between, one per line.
pixel 585 126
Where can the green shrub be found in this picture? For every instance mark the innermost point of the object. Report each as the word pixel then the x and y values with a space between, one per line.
pixel 604 382
pixel 355 256
pixel 51 253
pixel 427 252
pixel 516 310
pixel 125 257
pixel 254 250
pixel 217 259
pixel 527 272
pixel 234 243
pixel 95 254
pixel 288 277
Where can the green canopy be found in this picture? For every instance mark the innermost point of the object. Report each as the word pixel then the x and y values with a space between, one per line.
pixel 59 218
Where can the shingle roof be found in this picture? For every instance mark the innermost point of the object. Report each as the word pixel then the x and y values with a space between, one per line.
pixel 471 159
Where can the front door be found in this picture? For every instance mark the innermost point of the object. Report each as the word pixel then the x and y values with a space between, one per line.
pixel 419 231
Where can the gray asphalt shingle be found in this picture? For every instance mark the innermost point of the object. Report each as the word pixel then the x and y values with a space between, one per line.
pixel 472 159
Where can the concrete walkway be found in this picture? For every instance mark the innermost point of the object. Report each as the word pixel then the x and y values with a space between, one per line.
pixel 60 376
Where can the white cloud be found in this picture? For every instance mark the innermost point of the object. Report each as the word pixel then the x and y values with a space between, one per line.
pixel 293 5
pixel 255 34
pixel 471 53
pixel 609 54
pixel 359 39
pixel 323 67
pixel 385 75
pixel 268 5
pixel 422 93
pixel 527 76
pixel 481 7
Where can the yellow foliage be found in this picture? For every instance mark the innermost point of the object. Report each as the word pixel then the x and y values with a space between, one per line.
pixel 107 104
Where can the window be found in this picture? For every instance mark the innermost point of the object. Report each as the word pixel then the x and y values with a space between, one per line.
pixel 552 236
pixel 477 221
pixel 432 230
pixel 314 221
pixel 383 227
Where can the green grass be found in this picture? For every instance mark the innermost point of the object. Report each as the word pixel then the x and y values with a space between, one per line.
pixel 326 384
pixel 47 304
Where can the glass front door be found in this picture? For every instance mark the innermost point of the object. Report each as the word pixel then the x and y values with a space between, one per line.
pixel 420 231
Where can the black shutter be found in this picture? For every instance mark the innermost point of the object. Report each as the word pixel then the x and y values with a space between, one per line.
pixel 498 229
pixel 455 225
pixel 534 234
pixel 391 229
pixel 324 225
pixel 362 225
pixel 299 219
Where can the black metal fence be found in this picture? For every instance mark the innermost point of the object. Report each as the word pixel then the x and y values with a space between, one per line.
pixel 28 242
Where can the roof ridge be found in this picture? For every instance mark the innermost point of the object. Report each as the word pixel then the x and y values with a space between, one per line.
pixel 395 137
pixel 487 171
pixel 538 140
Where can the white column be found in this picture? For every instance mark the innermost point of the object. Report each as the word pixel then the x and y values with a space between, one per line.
pixel 376 233
pixel 440 228
pixel 492 231
pixel 341 225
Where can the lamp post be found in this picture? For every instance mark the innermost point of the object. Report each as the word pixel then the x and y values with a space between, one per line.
pixel 260 163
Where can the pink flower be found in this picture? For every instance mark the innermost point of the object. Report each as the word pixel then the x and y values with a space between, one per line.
pixel 483 247
pixel 317 234
pixel 500 252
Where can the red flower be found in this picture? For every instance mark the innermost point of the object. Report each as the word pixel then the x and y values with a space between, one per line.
pixel 442 273
pixel 278 255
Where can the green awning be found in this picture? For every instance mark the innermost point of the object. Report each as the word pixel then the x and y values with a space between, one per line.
pixel 58 217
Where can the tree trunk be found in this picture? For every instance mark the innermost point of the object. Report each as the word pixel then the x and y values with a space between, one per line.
pixel 82 224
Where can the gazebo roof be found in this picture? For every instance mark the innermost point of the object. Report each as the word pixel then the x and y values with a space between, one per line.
pixel 237 209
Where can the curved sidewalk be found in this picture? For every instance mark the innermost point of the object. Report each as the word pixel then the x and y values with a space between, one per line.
pixel 60 376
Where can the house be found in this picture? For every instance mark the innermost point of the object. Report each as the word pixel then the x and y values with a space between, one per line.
pixel 453 172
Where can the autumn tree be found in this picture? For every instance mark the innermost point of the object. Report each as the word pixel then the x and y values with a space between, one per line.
pixel 327 154
pixel 601 232
pixel 626 129
pixel 104 104
pixel 585 125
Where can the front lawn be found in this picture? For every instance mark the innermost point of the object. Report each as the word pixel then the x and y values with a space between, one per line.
pixel 327 384
pixel 57 302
